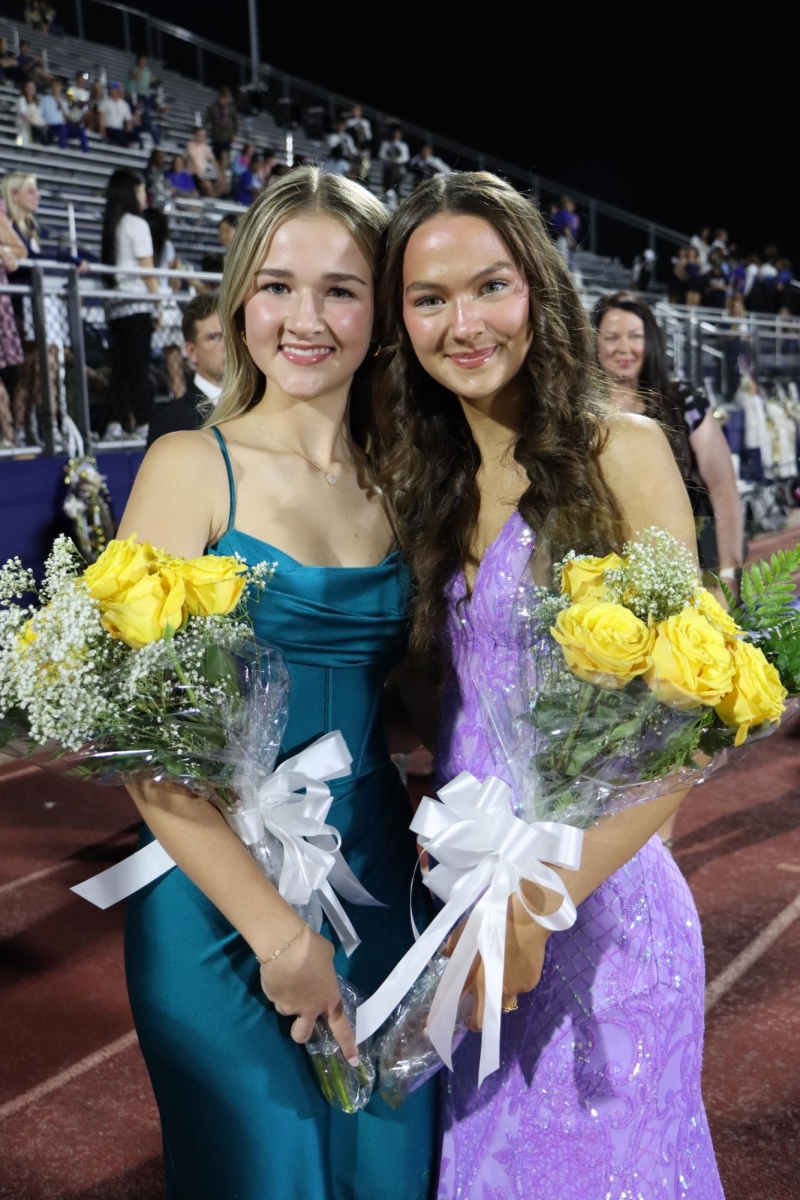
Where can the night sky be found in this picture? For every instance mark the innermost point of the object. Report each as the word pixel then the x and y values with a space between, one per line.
pixel 686 118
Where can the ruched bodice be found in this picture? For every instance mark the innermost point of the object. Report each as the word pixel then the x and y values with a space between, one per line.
pixel 340 629
pixel 241 1110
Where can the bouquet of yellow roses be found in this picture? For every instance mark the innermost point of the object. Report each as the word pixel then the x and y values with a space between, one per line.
pixel 132 668
pixel 630 680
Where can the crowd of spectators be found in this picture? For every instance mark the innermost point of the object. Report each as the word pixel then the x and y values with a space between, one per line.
pixel 712 272
pixel 54 111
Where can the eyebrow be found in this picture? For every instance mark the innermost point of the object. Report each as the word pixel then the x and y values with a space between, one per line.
pixel 422 285
pixel 330 277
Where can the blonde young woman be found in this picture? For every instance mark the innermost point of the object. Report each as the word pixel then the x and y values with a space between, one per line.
pixel 278 475
pixel 21 196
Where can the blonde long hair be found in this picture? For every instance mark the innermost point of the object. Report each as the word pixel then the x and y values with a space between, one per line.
pixel 25 222
pixel 307 191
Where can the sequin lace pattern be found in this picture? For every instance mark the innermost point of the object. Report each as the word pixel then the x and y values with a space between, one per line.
pixel 598 1093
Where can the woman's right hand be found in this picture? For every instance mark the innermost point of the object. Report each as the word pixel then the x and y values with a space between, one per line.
pixel 302 983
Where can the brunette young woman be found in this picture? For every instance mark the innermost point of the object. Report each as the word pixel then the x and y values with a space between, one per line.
pixel 278 476
pixel 491 416
pixel 631 351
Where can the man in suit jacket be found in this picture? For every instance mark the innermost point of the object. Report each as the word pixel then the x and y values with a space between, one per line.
pixel 205 350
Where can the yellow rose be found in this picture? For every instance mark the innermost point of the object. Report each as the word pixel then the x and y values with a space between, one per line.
pixel 603 643
pixel 142 613
pixel 582 578
pixel 214 584
pixel 121 565
pixel 27 634
pixel 719 617
pixel 691 664
pixel 757 694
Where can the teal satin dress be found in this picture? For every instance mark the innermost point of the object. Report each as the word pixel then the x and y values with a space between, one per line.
pixel 241 1111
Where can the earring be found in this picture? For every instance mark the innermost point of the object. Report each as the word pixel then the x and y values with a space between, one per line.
pixel 377 350
pixel 242 336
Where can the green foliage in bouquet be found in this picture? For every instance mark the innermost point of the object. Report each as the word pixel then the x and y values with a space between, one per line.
pixel 767 613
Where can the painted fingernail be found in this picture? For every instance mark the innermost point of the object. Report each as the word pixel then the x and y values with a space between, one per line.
pixel 354 1061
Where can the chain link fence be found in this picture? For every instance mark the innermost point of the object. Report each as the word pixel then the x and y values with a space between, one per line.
pixel 90 355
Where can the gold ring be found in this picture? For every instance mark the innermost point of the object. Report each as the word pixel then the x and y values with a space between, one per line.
pixel 511 1007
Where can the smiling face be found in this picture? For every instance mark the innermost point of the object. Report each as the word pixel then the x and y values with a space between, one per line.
pixel 621 345
pixel 308 317
pixel 466 306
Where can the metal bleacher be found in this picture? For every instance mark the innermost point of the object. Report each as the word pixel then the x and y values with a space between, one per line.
pixel 69 179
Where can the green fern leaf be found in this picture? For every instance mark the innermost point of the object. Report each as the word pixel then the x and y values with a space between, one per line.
pixel 728 594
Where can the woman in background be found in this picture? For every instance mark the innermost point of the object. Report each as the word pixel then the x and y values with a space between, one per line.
pixel 11 356
pixel 630 348
pixel 21 197
pixel 127 242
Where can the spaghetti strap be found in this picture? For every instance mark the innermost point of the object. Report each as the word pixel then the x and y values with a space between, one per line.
pixel 229 469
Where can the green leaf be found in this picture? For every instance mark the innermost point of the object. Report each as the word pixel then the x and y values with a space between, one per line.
pixel 219 666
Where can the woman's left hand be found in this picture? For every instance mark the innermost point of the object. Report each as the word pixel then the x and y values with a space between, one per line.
pixel 526 942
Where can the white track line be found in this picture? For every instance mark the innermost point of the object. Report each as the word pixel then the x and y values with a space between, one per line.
pixel 13 884
pixel 68 1074
pixel 744 961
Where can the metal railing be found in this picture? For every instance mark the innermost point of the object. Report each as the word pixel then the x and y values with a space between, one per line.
pixel 63 312
pixel 290 90
pixel 71 354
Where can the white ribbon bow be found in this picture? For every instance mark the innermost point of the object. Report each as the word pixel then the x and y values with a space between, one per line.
pixel 312 860
pixel 483 853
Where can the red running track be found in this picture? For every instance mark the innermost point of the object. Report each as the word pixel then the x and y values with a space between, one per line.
pixel 77 1117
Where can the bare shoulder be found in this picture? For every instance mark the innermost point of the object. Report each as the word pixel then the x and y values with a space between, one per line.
pixel 634 443
pixel 184 450
pixel 180 497
pixel 640 469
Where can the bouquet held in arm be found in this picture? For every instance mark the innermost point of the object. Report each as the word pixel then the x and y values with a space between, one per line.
pixel 624 680
pixel 145 666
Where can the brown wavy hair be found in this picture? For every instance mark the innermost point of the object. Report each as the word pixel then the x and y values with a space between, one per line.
pixel 426 456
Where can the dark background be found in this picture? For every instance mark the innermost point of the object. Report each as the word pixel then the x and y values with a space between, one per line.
pixel 686 117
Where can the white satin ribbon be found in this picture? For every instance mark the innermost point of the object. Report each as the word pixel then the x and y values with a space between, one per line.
pixel 312 860
pixel 483 853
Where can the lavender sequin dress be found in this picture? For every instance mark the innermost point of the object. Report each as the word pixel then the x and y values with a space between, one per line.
pixel 598 1092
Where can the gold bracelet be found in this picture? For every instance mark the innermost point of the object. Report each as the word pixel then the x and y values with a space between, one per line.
pixel 291 942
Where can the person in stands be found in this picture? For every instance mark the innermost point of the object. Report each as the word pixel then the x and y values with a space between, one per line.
pixel 140 82
pixel 30 65
pixel 8 62
pixel 222 122
pixel 717 288
pixel 158 192
pixel 12 249
pixel 58 119
pixel 179 179
pixel 199 157
pixel 360 131
pixel 394 155
pixel 425 165
pixel 567 224
pixel 342 152
pixel 30 122
pixel 205 349
pixel 118 123
pixel 127 242
pixel 227 228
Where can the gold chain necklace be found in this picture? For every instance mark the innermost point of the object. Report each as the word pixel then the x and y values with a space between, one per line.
pixel 332 479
